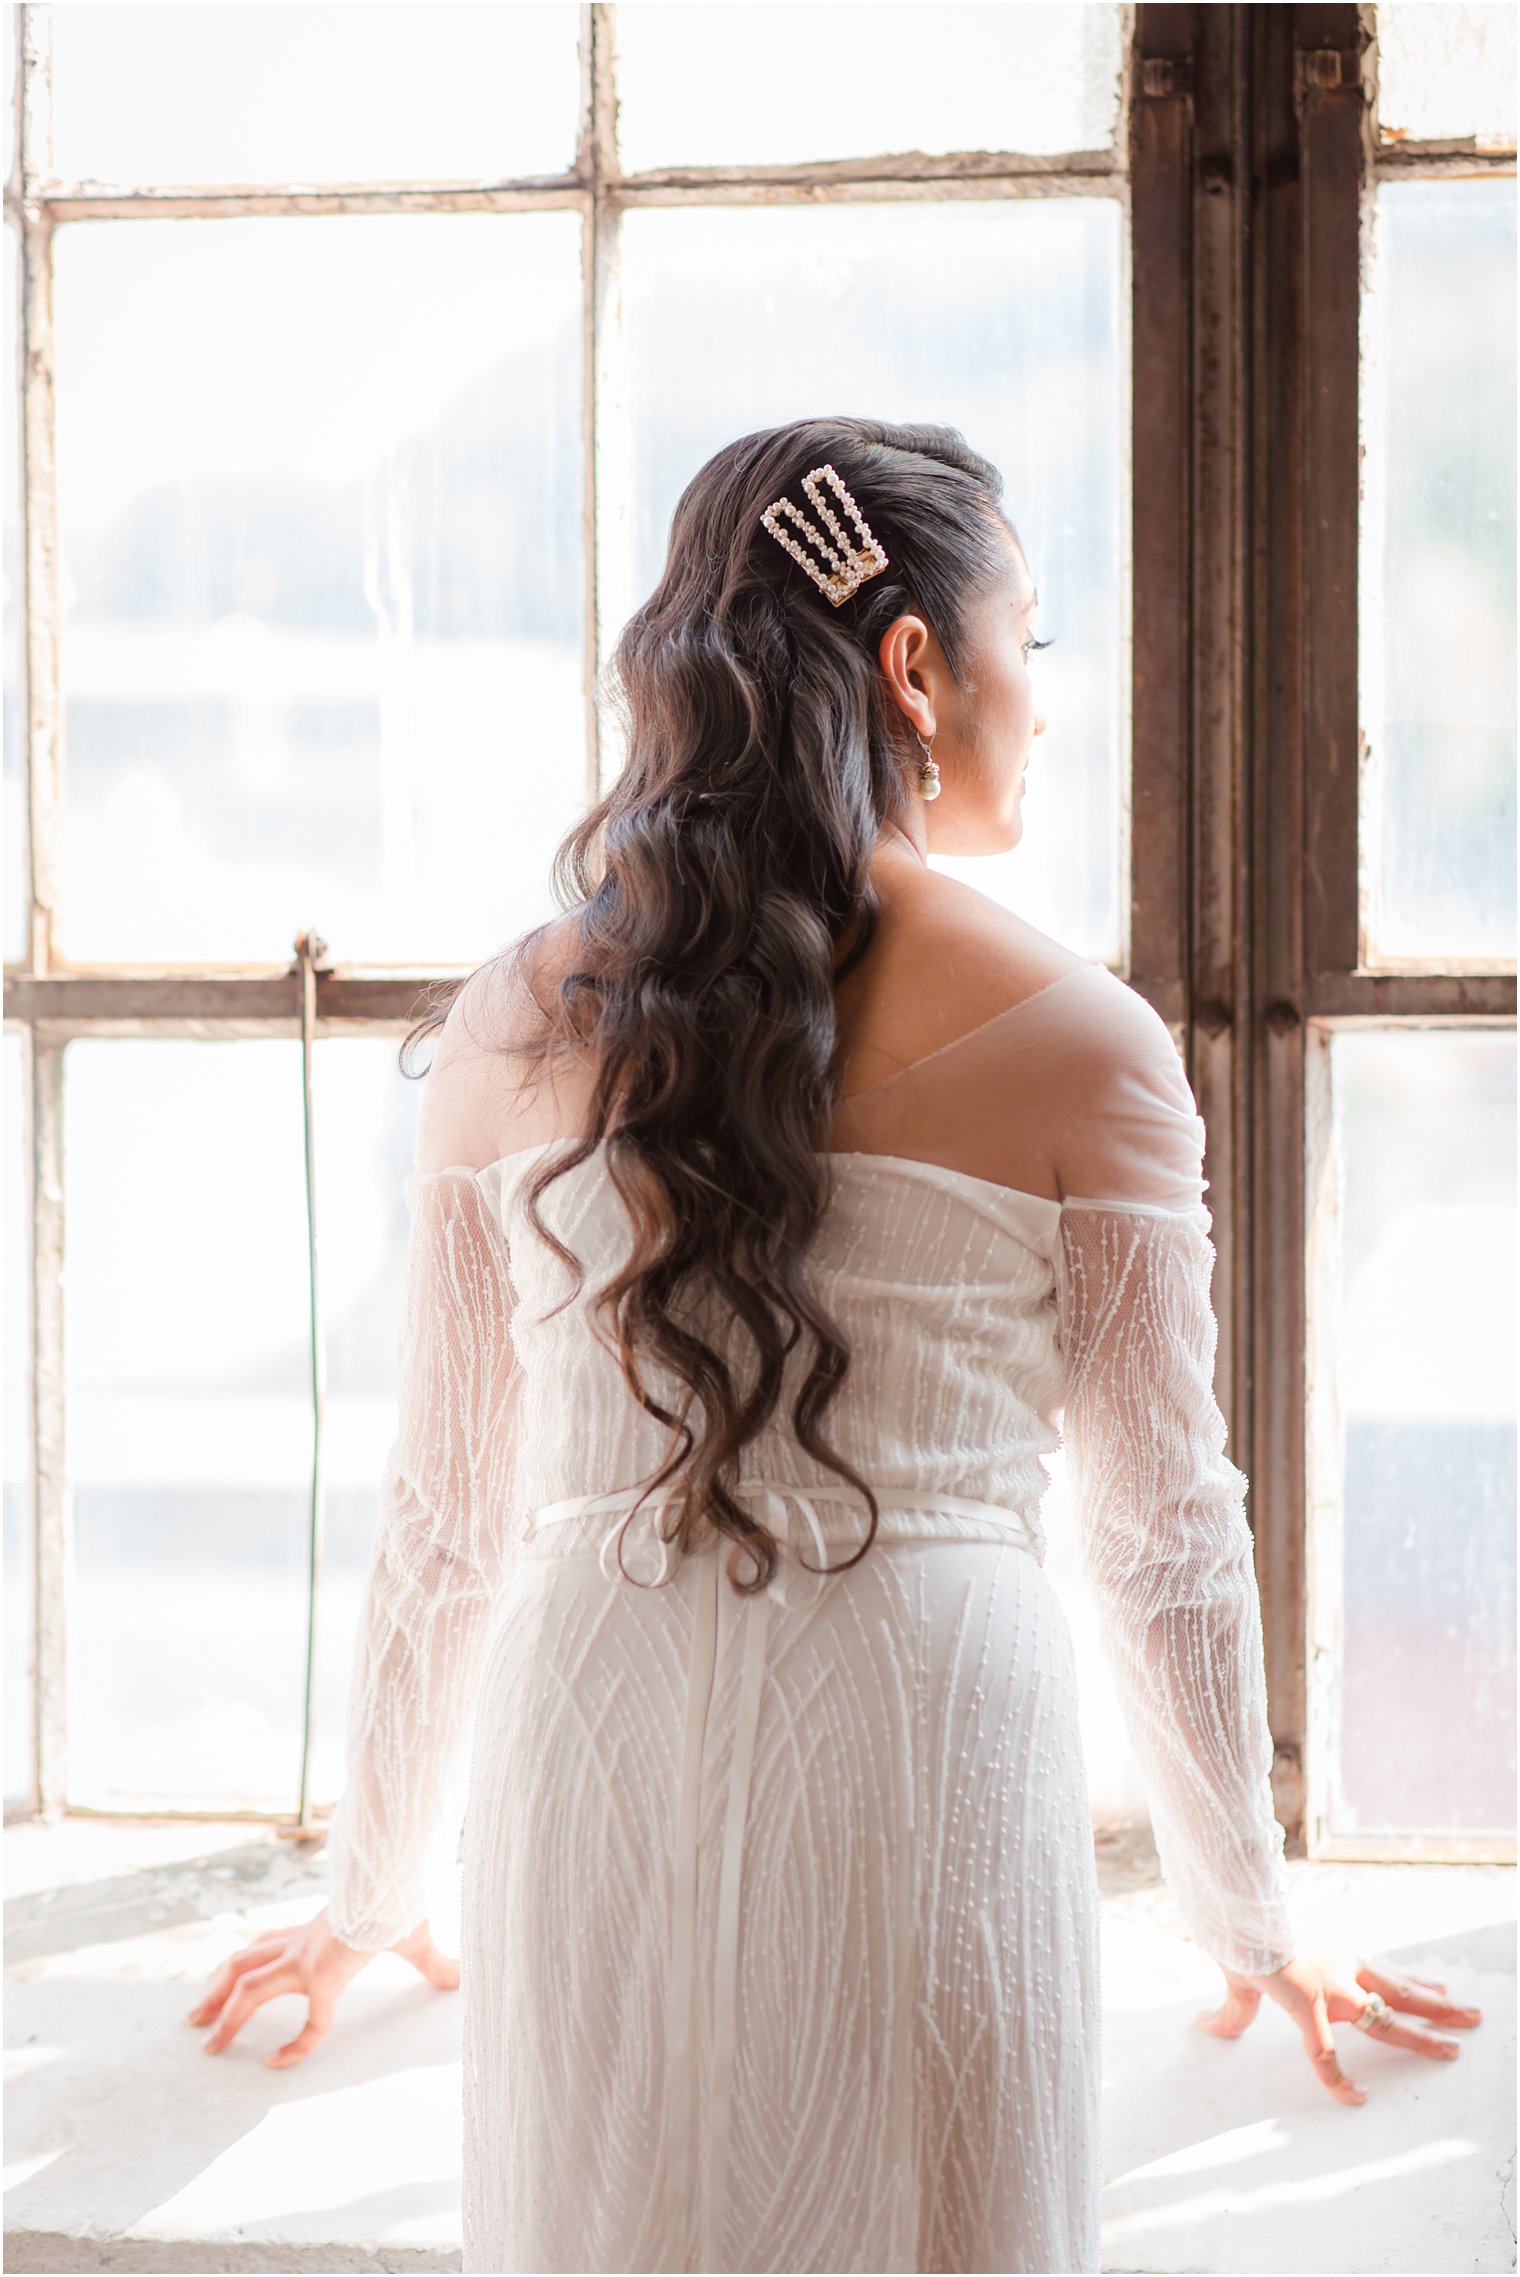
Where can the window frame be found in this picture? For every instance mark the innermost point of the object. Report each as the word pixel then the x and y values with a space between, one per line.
pixel 1271 158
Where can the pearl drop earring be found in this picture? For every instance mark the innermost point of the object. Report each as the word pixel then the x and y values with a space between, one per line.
pixel 928 771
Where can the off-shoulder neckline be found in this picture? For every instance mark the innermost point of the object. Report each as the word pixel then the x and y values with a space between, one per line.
pixel 928 1171
pixel 908 1162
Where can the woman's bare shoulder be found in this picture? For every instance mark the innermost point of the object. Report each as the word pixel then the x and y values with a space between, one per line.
pixel 1004 956
pixel 947 959
pixel 993 959
pixel 487 1069
pixel 505 1003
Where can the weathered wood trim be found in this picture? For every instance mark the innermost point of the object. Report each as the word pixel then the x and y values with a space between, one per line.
pixel 1217 606
pixel 910 173
pixel 179 1003
pixel 1452 994
pixel 1330 106
pixel 1161 164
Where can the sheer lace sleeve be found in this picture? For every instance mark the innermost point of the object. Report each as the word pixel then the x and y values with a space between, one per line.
pixel 1164 1543
pixel 436 1564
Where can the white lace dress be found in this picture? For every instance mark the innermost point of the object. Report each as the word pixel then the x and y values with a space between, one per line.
pixel 779 1928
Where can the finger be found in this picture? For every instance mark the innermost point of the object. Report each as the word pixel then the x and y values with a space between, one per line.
pixel 1445 2012
pixel 1396 1990
pixel 318 2018
pixel 257 1986
pixel 1393 2034
pixel 436 1966
pixel 1319 2044
pixel 251 1957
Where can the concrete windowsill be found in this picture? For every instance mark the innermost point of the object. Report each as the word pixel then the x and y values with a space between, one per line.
pixel 130 2150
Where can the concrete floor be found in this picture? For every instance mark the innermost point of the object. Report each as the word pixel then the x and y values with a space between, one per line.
pixel 128 2149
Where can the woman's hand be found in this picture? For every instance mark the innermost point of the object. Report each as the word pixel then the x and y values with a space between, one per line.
pixel 307 1959
pixel 1318 1992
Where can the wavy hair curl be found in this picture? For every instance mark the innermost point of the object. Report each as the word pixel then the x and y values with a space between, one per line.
pixel 714 898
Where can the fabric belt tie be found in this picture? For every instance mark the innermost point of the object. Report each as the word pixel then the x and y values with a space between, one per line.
pixel 775 1494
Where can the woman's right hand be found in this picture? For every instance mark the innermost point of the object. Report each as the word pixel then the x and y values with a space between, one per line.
pixel 306 1959
pixel 1319 1991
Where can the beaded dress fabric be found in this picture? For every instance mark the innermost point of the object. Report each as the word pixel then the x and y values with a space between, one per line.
pixel 779 1930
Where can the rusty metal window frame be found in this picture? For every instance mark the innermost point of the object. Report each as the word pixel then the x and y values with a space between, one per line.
pixel 1254 165
pixel 52 1000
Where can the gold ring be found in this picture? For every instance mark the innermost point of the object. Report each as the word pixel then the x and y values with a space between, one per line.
pixel 1373 2013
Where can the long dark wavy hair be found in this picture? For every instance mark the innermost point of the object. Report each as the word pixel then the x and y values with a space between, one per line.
pixel 715 897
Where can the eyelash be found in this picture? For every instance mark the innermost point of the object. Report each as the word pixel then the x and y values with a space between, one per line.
pixel 1029 644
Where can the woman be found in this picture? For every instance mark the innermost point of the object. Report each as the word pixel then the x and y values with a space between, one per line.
pixel 770 1207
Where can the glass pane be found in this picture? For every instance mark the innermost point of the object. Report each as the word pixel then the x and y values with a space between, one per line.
pixel 366 1134
pixel 247 93
pixel 1012 334
pixel 15 870
pixel 189 1397
pixel 742 85
pixel 1445 70
pixel 1421 1690
pixel 322 587
pixel 1438 572
pixel 19 1564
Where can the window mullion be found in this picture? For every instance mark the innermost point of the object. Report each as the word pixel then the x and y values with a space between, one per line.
pixel 51 1502
pixel 1160 173
pixel 608 449
pixel 1305 169
pixel 1215 961
pixel 39 491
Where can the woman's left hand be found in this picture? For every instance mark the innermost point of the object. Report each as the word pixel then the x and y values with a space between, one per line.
pixel 307 1959
pixel 1319 1990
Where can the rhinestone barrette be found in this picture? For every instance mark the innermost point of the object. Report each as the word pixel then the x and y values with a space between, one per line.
pixel 852 564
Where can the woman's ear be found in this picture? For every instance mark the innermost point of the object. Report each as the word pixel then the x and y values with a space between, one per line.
pixel 904 653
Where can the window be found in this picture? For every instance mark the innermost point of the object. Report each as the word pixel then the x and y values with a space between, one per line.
pixel 353 425
pixel 346 410
pixel 1411 1367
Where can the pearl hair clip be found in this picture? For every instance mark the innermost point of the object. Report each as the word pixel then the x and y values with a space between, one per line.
pixel 852 564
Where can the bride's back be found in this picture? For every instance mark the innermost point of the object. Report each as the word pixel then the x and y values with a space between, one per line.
pixel 971 1040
